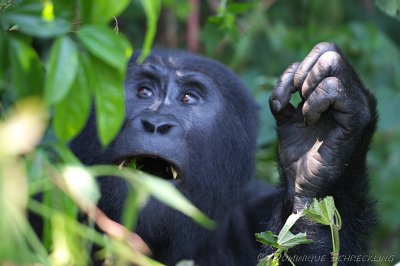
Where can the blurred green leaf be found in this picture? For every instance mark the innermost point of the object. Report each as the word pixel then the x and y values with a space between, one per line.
pixel 72 112
pixel 135 201
pixel 61 70
pixel 160 189
pixel 28 18
pixel 4 61
pixel 27 69
pixel 390 7
pixel 268 238
pixel 81 185
pixel 102 11
pixel 109 95
pixel 66 156
pixel 105 44
pixel 152 9
pixel 165 192
pixel 239 8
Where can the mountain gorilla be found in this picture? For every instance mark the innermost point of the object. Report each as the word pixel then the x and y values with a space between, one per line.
pixel 190 120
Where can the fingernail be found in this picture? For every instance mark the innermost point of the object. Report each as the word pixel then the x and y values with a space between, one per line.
pixel 276 105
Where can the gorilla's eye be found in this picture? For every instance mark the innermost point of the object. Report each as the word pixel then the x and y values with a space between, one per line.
pixel 188 98
pixel 144 93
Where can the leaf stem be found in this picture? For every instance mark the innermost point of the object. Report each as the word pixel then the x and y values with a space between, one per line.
pixel 335 225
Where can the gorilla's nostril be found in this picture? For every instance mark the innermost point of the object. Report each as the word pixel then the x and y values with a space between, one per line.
pixel 148 126
pixel 164 129
pixel 160 128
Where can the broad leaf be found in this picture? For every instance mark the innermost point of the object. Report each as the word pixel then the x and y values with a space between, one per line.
pixel 72 112
pixel 267 238
pixel 27 70
pixel 102 11
pixel 109 96
pixel 289 240
pixel 61 69
pixel 106 45
pixel 321 212
pixel 28 17
pixel 291 220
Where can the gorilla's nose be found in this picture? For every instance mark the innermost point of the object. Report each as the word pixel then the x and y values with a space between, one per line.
pixel 158 124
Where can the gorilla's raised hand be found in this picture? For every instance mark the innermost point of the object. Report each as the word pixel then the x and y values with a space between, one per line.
pixel 319 138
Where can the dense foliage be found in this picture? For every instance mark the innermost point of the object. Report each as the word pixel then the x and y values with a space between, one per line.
pixel 59 59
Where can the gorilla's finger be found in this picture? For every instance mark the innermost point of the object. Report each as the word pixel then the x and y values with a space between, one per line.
pixel 310 61
pixel 327 65
pixel 321 99
pixel 283 89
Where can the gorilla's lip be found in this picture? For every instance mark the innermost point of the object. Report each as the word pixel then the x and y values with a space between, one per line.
pixel 152 164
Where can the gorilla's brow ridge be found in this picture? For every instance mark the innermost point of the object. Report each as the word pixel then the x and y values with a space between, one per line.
pixel 197 79
pixel 150 71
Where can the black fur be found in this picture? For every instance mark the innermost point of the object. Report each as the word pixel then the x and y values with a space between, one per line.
pixel 212 142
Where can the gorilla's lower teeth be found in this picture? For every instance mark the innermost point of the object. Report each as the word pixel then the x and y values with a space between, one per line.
pixel 174 173
pixel 121 165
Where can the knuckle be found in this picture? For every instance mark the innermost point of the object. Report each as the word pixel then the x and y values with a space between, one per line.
pixel 332 85
pixel 330 59
pixel 326 46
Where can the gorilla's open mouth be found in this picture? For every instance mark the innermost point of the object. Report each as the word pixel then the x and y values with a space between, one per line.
pixel 152 165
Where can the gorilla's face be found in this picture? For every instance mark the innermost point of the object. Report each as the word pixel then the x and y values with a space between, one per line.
pixel 189 120
pixel 168 112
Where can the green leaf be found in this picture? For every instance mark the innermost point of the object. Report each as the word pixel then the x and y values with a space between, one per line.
pixel 268 238
pixel 28 17
pixel 270 260
pixel 165 192
pixel 291 220
pixel 85 7
pixel 4 62
pixel 106 45
pixel 321 212
pixel 61 70
pixel 72 112
pixel 102 11
pixel 160 189
pixel 81 184
pixel 239 8
pixel 27 69
pixel 288 240
pixel 109 95
pixel 152 10
pixel 65 154
pixel 390 7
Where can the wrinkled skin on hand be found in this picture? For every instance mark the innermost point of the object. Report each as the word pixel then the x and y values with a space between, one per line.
pixel 318 137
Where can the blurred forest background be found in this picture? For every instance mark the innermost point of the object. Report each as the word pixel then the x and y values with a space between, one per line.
pixel 257 39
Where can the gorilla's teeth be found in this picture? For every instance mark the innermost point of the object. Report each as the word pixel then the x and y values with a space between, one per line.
pixel 121 165
pixel 174 173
